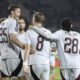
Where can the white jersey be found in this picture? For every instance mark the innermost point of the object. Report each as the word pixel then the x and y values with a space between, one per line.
pixel 68 45
pixel 22 38
pixel 7 48
pixel 42 46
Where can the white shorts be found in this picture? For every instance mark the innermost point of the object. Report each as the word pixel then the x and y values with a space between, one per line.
pixel 11 67
pixel 39 72
pixel 70 74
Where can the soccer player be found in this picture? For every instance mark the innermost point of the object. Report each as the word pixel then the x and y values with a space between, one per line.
pixel 22 37
pixel 38 61
pixel 10 60
pixel 68 45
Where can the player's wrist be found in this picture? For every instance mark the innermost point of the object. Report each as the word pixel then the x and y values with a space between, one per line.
pixel 25 63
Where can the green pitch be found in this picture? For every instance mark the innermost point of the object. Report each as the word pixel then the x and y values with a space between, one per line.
pixel 57 73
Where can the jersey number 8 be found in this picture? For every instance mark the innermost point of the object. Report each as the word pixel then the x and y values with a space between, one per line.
pixel 39 46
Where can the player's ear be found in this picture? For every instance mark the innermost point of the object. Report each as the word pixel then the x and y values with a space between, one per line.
pixel 12 12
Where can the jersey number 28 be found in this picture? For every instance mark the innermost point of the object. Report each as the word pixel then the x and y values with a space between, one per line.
pixel 71 45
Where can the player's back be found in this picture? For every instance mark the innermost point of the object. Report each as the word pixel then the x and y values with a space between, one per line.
pixel 68 48
pixel 42 47
pixel 6 46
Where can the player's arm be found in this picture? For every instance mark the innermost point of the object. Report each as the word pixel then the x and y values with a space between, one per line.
pixel 13 35
pixel 27 52
pixel 13 38
pixel 26 57
pixel 46 34
pixel 43 32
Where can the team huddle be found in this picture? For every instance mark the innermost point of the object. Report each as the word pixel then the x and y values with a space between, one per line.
pixel 25 55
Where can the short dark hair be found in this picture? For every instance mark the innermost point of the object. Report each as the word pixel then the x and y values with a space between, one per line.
pixel 66 24
pixel 21 17
pixel 39 17
pixel 13 7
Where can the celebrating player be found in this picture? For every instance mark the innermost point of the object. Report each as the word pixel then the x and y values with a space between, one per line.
pixel 21 37
pixel 39 61
pixel 68 45
pixel 9 52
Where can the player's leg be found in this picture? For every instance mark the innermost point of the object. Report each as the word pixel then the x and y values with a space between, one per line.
pixel 52 65
pixel 17 71
pixel 35 72
pixel 12 66
pixel 22 76
pixel 64 74
pixel 5 70
pixel 76 74
pixel 6 78
pixel 1 78
pixel 46 72
pixel 52 73
pixel 8 68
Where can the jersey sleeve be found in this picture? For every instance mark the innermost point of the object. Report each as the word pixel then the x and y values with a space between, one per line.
pixel 27 37
pixel 46 33
pixel 55 35
pixel 12 27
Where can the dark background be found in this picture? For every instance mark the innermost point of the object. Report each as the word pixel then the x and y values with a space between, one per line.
pixel 54 10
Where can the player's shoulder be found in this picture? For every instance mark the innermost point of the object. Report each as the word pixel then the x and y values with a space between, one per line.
pixel 75 33
pixel 9 20
pixel 45 29
pixel 29 30
pixel 59 31
pixel 5 22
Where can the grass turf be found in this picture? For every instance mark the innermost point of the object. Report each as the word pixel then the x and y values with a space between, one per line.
pixel 57 73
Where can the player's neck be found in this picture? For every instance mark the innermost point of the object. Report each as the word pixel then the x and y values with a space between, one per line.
pixel 11 16
pixel 38 24
pixel 16 18
pixel 21 32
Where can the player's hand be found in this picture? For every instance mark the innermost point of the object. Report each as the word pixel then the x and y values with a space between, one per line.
pixel 26 67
